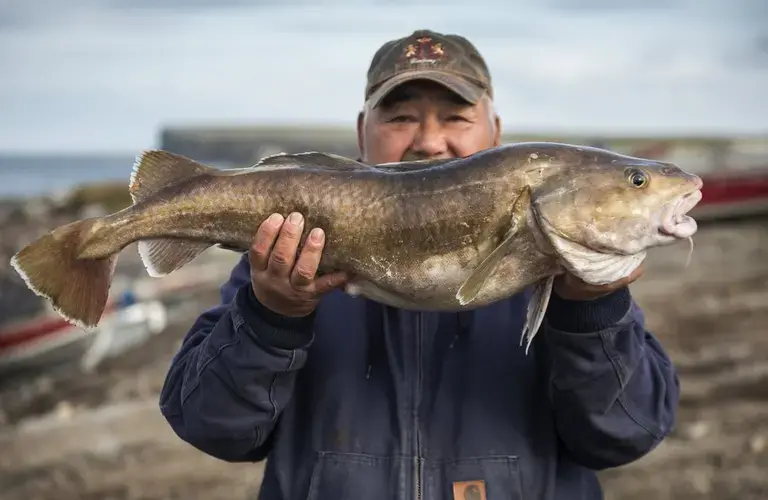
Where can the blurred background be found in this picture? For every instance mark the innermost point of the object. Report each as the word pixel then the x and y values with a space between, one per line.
pixel 86 84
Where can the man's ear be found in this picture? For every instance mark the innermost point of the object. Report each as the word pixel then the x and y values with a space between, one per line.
pixel 360 125
pixel 497 133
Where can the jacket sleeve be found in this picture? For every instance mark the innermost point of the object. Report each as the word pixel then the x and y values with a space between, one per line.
pixel 613 388
pixel 234 373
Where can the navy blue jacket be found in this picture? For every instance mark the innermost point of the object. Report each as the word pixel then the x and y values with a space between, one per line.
pixel 360 401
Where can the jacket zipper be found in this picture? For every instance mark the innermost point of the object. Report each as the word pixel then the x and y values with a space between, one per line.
pixel 417 458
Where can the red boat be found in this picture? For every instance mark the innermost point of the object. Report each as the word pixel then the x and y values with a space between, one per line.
pixel 39 343
pixel 731 194
pixel 734 171
pixel 44 342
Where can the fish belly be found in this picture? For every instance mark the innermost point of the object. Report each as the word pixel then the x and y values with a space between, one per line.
pixel 433 284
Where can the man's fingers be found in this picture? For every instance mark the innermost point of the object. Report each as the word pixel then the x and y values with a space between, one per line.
pixel 306 265
pixel 263 241
pixel 284 252
pixel 329 281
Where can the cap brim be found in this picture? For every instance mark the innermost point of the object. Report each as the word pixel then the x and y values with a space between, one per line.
pixel 467 90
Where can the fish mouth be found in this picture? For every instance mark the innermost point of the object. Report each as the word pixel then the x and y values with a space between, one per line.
pixel 675 220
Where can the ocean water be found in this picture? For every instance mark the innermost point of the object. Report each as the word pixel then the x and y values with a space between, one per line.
pixel 31 175
pixel 47 174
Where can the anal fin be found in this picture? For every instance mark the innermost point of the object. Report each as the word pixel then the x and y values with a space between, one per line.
pixel 472 285
pixel 163 256
pixel 537 308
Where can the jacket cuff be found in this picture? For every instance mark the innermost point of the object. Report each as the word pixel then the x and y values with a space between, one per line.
pixel 588 316
pixel 276 330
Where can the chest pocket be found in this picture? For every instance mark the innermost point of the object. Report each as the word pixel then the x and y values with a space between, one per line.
pixel 352 476
pixel 480 478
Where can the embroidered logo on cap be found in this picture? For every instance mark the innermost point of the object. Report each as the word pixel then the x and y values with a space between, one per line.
pixel 423 51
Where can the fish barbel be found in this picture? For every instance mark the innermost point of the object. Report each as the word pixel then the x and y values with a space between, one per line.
pixel 441 235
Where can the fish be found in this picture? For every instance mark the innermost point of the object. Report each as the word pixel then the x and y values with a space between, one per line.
pixel 432 235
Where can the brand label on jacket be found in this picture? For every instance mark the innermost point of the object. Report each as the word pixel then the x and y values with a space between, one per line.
pixel 469 490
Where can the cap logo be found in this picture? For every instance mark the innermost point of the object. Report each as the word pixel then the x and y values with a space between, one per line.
pixel 423 51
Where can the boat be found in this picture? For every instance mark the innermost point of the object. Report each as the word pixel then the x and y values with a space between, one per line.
pixel 728 194
pixel 48 341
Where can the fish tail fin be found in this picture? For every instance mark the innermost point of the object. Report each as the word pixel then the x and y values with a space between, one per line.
pixel 155 169
pixel 77 288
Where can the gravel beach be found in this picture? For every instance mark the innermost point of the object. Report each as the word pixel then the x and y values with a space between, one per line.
pixel 71 435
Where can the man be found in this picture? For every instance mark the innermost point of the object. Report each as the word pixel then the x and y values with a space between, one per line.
pixel 349 399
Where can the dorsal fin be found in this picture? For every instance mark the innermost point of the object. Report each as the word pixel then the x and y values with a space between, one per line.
pixel 405 166
pixel 155 169
pixel 310 159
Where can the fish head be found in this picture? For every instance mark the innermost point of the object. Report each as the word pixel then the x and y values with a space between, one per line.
pixel 616 204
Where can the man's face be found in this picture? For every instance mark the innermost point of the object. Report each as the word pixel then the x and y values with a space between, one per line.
pixel 423 120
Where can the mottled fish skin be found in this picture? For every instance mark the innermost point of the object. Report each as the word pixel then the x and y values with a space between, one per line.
pixel 413 235
pixel 417 234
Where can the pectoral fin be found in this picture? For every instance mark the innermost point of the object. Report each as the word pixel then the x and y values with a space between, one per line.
pixel 471 287
pixel 537 307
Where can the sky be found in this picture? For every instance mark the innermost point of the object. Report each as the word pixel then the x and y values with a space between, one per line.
pixel 106 75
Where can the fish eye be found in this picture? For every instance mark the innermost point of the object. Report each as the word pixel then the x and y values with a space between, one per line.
pixel 637 178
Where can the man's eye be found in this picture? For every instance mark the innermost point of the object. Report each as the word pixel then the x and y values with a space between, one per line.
pixel 401 118
pixel 454 118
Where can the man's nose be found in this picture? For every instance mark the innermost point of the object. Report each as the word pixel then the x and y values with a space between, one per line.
pixel 429 141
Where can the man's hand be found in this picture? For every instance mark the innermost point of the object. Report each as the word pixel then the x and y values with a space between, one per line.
pixel 569 287
pixel 282 282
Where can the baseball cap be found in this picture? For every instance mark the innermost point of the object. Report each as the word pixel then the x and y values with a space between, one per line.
pixel 446 59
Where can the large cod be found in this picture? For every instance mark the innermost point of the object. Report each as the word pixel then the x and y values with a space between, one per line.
pixel 428 235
